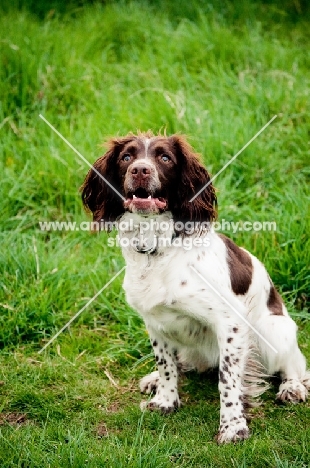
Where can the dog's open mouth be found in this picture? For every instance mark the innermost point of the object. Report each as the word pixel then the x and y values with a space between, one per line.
pixel 143 201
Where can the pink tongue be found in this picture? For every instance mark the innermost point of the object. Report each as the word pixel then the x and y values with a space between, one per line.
pixel 145 203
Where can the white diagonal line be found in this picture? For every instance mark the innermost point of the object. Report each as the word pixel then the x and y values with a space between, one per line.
pixel 80 311
pixel 81 156
pixel 234 309
pixel 233 158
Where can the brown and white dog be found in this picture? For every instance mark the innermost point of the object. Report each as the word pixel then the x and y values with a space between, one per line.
pixel 189 297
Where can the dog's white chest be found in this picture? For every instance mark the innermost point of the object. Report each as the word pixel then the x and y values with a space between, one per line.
pixel 144 290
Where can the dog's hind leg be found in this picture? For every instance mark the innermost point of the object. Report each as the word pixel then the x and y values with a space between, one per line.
pixel 281 332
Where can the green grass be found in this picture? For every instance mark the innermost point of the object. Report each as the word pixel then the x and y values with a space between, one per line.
pixel 216 71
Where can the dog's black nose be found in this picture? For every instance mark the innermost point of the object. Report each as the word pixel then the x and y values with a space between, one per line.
pixel 140 171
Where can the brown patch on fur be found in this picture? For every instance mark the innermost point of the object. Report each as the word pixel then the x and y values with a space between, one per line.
pixel 192 176
pixel 97 196
pixel 274 303
pixel 222 377
pixel 240 266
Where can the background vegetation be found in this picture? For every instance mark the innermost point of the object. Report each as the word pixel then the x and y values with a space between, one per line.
pixel 216 71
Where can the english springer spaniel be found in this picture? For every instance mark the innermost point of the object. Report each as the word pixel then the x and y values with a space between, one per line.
pixel 205 302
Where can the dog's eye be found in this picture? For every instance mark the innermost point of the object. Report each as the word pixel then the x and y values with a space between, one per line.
pixel 165 157
pixel 126 157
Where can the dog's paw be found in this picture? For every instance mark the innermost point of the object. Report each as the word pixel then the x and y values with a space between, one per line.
pixel 234 432
pixel 162 404
pixel 306 380
pixel 292 391
pixel 149 383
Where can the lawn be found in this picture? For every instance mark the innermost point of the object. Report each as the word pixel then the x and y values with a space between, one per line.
pixel 215 71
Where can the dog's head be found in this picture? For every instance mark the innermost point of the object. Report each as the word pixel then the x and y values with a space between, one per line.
pixel 149 174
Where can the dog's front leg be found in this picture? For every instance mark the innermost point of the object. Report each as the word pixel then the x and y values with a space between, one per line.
pixel 233 344
pixel 164 381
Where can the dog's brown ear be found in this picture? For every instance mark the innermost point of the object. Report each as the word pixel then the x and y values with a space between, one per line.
pixel 97 195
pixel 191 179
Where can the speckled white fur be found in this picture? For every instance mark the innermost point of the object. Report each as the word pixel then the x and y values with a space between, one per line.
pixel 190 325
